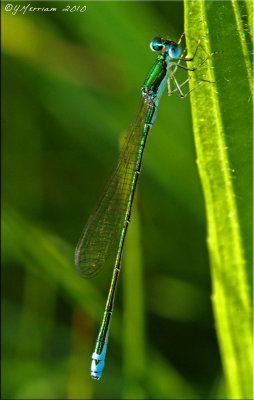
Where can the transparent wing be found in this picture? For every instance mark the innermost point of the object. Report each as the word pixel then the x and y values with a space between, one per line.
pixel 101 236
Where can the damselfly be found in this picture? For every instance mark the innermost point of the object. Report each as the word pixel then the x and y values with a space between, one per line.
pixel 106 229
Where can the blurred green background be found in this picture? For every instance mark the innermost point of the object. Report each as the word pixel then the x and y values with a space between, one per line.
pixel 70 87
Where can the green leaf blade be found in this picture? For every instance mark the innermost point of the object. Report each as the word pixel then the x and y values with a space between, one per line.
pixel 222 113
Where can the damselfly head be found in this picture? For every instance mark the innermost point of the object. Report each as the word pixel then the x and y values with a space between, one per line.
pixel 156 44
pixel 174 50
pixel 159 44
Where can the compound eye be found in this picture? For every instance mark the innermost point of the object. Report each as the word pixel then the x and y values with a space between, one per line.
pixel 156 44
pixel 174 50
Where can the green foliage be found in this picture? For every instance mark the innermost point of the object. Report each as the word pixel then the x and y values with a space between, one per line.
pixel 69 87
pixel 222 123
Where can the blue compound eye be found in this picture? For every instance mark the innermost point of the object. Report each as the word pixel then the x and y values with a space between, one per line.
pixel 156 44
pixel 174 50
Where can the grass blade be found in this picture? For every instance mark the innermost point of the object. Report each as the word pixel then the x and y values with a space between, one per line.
pixel 222 123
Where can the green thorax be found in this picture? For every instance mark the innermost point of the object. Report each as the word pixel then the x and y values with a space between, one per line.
pixel 156 79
